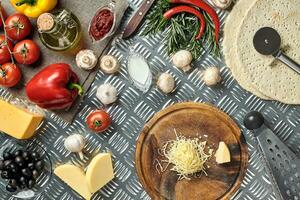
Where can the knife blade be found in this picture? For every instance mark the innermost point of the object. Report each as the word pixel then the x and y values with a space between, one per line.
pixel 137 18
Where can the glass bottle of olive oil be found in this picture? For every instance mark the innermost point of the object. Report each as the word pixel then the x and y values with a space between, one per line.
pixel 60 30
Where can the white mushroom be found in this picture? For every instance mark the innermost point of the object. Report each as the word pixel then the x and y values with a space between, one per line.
pixel 109 64
pixel 107 94
pixel 222 4
pixel 86 59
pixel 211 76
pixel 166 83
pixel 75 144
pixel 182 60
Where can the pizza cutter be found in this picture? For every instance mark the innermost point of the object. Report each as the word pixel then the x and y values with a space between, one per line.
pixel 267 41
pixel 281 161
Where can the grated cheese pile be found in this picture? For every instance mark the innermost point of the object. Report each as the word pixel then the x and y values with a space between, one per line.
pixel 187 155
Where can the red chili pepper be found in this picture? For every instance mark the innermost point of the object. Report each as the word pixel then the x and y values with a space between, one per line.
pixel 204 6
pixel 180 9
pixel 55 87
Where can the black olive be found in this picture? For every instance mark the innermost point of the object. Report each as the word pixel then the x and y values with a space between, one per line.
pixel 31 166
pixel 30 184
pixel 13 182
pixel 26 156
pixel 1 164
pixel 35 156
pixel 22 182
pixel 18 153
pixel 39 165
pixel 26 172
pixel 5 175
pixel 11 188
pixel 7 156
pixel 6 164
pixel 35 174
pixel 20 161
pixel 13 168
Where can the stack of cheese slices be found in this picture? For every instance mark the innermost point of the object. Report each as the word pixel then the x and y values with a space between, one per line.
pixel 264 76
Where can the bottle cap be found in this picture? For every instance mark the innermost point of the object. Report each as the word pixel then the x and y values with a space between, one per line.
pixel 45 22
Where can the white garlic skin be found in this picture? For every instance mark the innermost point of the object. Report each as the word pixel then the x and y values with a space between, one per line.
pixel 74 143
pixel 182 60
pixel 166 83
pixel 86 59
pixel 211 76
pixel 222 4
pixel 107 94
pixel 109 64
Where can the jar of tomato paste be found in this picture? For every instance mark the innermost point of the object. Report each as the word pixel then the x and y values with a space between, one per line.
pixel 104 22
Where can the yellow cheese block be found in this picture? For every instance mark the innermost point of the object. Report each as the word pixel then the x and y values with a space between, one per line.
pixel 75 178
pixel 17 122
pixel 222 153
pixel 99 172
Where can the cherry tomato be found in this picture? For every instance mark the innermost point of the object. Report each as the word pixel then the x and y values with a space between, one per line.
pixel 26 52
pixel 4 52
pixel 98 121
pixel 10 75
pixel 3 14
pixel 18 26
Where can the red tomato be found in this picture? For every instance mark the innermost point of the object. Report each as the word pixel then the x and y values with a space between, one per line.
pixel 26 52
pixel 4 52
pixel 98 121
pixel 10 75
pixel 18 26
pixel 3 14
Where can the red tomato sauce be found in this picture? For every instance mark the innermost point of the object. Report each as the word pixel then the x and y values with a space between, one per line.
pixel 101 24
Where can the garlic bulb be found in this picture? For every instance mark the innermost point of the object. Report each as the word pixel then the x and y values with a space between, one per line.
pixel 75 144
pixel 166 83
pixel 107 94
pixel 182 60
pixel 211 76
pixel 222 4
pixel 86 59
pixel 109 64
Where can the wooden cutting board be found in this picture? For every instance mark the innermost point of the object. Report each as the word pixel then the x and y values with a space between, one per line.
pixel 194 120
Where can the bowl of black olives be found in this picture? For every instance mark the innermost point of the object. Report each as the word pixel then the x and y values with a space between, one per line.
pixel 26 169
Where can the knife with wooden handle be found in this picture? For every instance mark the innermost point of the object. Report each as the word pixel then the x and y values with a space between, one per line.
pixel 137 18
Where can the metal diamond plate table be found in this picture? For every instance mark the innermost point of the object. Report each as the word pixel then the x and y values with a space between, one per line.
pixel 134 108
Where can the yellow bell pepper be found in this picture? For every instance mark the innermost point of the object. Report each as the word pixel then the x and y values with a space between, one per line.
pixel 33 8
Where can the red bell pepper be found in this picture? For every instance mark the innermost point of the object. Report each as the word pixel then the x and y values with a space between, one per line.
pixel 55 87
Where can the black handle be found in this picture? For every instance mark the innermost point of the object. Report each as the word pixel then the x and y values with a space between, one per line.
pixel 254 120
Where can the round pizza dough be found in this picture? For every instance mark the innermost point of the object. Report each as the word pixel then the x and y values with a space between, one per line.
pixel 231 28
pixel 271 77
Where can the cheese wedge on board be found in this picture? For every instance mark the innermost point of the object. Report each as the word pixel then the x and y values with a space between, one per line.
pixel 222 154
pixel 74 177
pixel 17 122
pixel 99 172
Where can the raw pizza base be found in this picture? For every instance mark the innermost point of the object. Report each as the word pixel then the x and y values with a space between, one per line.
pixel 232 25
pixel 273 79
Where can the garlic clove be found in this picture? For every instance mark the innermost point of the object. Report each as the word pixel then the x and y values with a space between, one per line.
pixel 107 94
pixel 211 76
pixel 109 64
pixel 86 59
pixel 75 144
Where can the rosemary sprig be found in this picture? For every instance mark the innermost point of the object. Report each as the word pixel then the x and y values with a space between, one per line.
pixel 181 30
